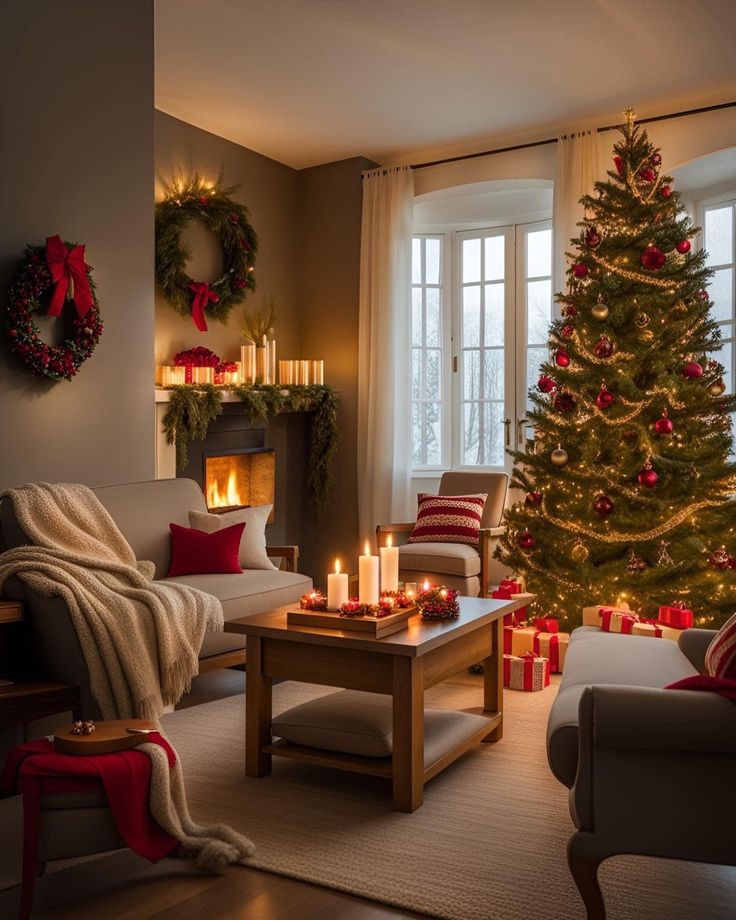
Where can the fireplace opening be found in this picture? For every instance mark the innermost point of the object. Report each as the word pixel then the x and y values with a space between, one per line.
pixel 238 478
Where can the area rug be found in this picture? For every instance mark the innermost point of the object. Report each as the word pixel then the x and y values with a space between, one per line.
pixel 488 843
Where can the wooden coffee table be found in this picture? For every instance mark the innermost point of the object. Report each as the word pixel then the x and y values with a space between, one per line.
pixel 402 665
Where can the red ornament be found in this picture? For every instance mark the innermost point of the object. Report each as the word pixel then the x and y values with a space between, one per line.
pixel 665 191
pixel 664 425
pixel 533 498
pixel 562 359
pixel 647 477
pixel 203 199
pixel 619 163
pixel 656 159
pixel 603 348
pixel 653 258
pixel 647 174
pixel 592 237
pixel 546 384
pixel 564 402
pixel 570 310
pixel 603 506
pixel 605 398
pixel 683 246
pixel 692 370
pixel 568 330
pixel 580 269
pixel 703 295
pixel 526 540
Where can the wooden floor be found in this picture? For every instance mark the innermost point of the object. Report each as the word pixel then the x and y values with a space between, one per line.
pixel 125 887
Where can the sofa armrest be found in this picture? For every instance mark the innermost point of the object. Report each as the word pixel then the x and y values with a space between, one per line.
pixel 694 644
pixel 290 555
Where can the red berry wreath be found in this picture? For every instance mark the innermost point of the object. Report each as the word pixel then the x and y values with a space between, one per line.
pixel 58 270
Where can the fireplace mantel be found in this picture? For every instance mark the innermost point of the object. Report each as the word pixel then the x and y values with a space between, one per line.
pixel 164 395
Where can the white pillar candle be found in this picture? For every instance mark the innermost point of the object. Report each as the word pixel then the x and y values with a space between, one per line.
pixel 389 566
pixel 368 577
pixel 272 360
pixel 338 591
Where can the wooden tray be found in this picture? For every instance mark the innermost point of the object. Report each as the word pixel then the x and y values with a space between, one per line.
pixel 107 737
pixel 375 627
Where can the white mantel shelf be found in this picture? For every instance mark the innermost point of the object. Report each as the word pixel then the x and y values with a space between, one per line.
pixel 163 395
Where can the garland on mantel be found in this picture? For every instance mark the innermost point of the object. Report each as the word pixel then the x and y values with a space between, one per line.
pixel 193 408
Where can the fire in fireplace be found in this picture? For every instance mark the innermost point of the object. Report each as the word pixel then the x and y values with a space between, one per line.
pixel 238 478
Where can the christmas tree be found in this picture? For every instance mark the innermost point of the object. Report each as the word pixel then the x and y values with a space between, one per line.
pixel 628 477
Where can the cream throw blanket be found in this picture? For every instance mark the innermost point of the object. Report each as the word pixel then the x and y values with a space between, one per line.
pixel 140 638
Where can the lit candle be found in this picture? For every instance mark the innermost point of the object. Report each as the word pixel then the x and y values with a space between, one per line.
pixel 337 588
pixel 425 586
pixel 368 577
pixel 410 589
pixel 389 566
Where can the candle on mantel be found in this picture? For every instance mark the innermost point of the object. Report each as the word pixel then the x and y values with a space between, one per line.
pixel 389 566
pixel 338 592
pixel 410 589
pixel 368 577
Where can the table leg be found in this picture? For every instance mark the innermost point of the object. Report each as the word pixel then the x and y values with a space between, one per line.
pixel 408 748
pixel 493 681
pixel 257 711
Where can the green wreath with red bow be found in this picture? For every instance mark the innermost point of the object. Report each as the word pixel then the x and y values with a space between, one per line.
pixel 213 205
pixel 47 277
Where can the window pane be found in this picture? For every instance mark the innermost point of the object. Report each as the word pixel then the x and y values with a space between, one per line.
pixel 416 261
pixel 433 432
pixel 494 326
pixel 535 357
pixel 471 316
pixel 493 434
pixel 432 373
pixel 471 434
pixel 416 373
pixel 416 316
pixel 725 356
pixel 417 435
pixel 471 261
pixel 539 253
pixel 471 374
pixel 433 330
pixel 494 258
pixel 493 371
pixel 539 311
pixel 718 235
pixel 432 257
pixel 721 293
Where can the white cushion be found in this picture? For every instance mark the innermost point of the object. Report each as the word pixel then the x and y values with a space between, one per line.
pixel 354 722
pixel 441 558
pixel 252 543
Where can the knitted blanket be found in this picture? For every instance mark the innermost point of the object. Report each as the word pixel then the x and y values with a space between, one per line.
pixel 140 638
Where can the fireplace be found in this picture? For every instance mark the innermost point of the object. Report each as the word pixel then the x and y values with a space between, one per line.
pixel 240 477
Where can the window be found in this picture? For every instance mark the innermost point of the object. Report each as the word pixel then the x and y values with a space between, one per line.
pixel 720 243
pixel 481 308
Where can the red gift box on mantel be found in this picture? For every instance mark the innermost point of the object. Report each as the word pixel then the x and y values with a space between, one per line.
pixel 518 639
pixel 553 646
pixel 525 672
pixel 676 616
pixel 617 621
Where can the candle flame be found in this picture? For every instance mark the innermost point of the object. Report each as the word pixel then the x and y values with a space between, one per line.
pixel 425 586
pixel 390 540
pixel 337 566
pixel 367 548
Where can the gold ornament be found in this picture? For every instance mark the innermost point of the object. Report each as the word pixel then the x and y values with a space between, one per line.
pixel 680 307
pixel 558 456
pixel 599 311
pixel 717 388
pixel 579 552
pixel 647 335
pixel 641 320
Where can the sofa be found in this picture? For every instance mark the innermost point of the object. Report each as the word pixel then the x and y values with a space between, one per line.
pixel 143 512
pixel 650 771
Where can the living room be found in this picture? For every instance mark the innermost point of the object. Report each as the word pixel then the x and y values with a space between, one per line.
pixel 368 488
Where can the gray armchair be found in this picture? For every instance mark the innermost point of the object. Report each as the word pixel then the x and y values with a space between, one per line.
pixel 470 569
pixel 655 770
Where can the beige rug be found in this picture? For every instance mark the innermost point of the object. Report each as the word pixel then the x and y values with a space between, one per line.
pixel 488 843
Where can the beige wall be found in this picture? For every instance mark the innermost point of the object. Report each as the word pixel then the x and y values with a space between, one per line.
pixel 269 190
pixel 76 147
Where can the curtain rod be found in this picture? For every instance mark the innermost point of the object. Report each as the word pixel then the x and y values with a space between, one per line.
pixel 553 140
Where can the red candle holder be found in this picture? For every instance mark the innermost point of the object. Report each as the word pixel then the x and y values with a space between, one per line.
pixel 354 608
pixel 438 603
pixel 315 600
pixel 398 599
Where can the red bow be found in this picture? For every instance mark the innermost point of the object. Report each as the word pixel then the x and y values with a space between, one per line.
pixel 202 296
pixel 69 273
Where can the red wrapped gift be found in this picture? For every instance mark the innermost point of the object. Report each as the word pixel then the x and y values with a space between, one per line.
pixel 547 624
pixel 615 621
pixel 552 646
pixel 525 672
pixel 677 616
pixel 508 584
pixel 647 627
pixel 518 639
pixel 505 594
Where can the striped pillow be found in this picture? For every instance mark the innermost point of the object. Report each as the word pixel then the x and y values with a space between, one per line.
pixel 448 518
pixel 720 659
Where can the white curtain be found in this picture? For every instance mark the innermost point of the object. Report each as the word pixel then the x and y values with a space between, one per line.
pixel 579 164
pixel 384 353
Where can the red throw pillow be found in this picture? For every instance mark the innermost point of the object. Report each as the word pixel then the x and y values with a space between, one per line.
pixel 448 519
pixel 708 684
pixel 720 658
pixel 194 552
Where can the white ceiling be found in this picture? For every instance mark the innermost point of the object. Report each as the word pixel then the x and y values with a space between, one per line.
pixel 311 81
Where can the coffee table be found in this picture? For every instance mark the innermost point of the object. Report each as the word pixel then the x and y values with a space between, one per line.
pixel 402 665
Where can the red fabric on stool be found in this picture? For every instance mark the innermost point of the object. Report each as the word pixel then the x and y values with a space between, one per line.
pixel 36 768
